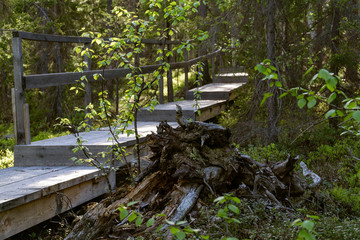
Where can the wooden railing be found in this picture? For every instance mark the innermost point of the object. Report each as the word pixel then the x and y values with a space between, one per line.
pixel 22 82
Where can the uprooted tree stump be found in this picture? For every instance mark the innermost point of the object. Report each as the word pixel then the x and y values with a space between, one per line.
pixel 196 157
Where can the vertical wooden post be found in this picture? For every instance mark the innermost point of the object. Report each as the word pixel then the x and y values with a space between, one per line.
pixel 87 83
pixel 186 70
pixel 14 112
pixel 161 83
pixel 18 92
pixel 169 79
pixel 213 58
pixel 27 123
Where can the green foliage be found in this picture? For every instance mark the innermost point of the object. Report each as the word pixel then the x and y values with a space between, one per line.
pixel 6 158
pixel 272 152
pixel 306 231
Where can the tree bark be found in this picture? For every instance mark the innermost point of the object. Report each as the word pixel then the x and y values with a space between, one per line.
pixel 273 101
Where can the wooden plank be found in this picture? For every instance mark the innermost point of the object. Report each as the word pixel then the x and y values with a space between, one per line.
pixel 75 39
pixel 53 200
pixel 236 77
pixel 19 92
pixel 14 112
pixel 13 174
pixel 215 91
pixel 31 188
pixel 166 112
pixel 51 38
pixel 27 123
pixel 186 70
pixel 87 99
pixel 58 79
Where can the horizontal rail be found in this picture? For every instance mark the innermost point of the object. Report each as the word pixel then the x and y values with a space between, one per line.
pixel 58 79
pixel 75 39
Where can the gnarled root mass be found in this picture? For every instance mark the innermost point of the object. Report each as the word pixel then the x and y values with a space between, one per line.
pixel 192 159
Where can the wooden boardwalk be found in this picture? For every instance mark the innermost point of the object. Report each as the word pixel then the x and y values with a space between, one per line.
pixel 45 182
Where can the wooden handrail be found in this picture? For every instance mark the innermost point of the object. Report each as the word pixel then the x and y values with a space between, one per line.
pixel 75 39
pixel 57 79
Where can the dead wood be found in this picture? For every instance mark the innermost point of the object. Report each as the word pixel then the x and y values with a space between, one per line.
pixel 186 161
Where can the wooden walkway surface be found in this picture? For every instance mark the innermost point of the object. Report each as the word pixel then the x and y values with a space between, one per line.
pixel 45 182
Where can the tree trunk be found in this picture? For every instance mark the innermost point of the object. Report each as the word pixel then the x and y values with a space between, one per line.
pixel 273 101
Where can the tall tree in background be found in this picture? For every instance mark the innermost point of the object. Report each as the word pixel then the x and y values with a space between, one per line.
pixel 273 102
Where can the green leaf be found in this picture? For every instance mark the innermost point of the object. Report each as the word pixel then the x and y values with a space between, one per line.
pixel 261 68
pixel 174 230
pixel 330 113
pixel 284 94
pixel 308 224
pixel 132 217
pixel 123 214
pixel 150 222
pixel 348 116
pixel 131 203
pixel 309 70
pixel 350 104
pixel 234 208
pixel 169 222
pixel 311 102
pixel 331 83
pixel 218 199
pixel 236 199
pixel 296 222
pixel 339 113
pixel 181 223
pixel 301 103
pixel 303 234
pixel 205 237
pixel 332 98
pixel 180 235
pixel 314 78
pixel 266 96
pixel 138 221
pixel 324 74
pixel 356 116
pixel 278 84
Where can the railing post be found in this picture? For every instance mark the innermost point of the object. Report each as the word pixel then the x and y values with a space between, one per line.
pixel 169 78
pixel 161 81
pixel 87 60
pixel 19 96
pixel 186 70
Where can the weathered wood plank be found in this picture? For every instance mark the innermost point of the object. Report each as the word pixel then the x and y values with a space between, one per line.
pixel 215 91
pixel 27 123
pixel 231 77
pixel 208 108
pixel 50 195
pixel 13 174
pixel 19 92
pixel 13 104
pixel 75 39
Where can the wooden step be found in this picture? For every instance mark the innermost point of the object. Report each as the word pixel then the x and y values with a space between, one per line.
pixel 166 112
pixel 215 91
pixel 234 77
pixel 31 195
pixel 59 151
pixel 231 69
